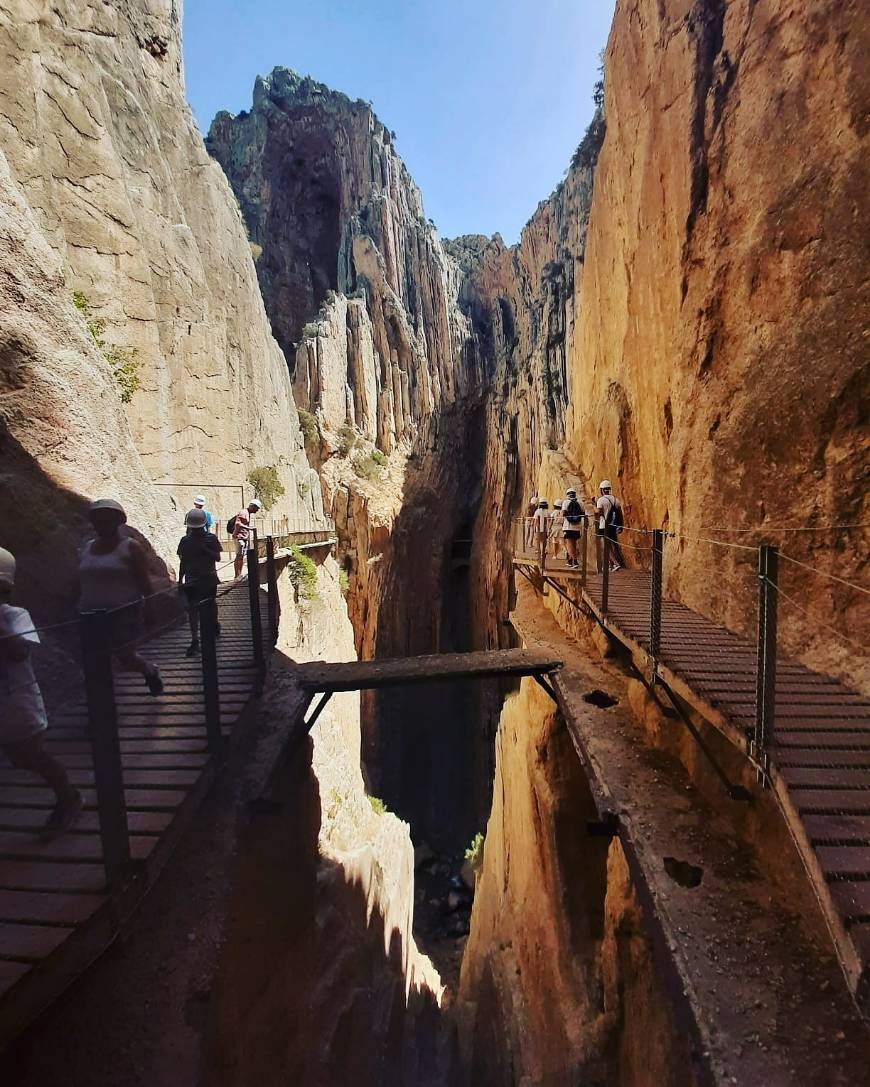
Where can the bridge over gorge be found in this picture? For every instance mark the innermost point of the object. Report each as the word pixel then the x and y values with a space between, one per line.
pixel 807 734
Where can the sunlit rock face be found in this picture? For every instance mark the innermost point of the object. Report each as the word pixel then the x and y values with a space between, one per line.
pixel 102 147
pixel 718 370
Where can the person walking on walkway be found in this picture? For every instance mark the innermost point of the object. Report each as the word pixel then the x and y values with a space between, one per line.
pixel 22 711
pixel 199 504
pixel 242 532
pixel 557 526
pixel 199 552
pixel 113 577
pixel 541 531
pixel 608 523
pixel 573 515
pixel 529 524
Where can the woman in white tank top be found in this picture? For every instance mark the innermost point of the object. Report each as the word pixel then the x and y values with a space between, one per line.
pixel 113 577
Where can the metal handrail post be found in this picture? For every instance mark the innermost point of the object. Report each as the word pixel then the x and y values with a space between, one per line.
pixel 584 557
pixel 272 583
pixel 605 574
pixel 765 685
pixel 254 600
pixel 210 680
pixel 105 743
pixel 655 602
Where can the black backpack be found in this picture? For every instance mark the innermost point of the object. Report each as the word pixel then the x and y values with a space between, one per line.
pixel 231 525
pixel 573 512
pixel 614 516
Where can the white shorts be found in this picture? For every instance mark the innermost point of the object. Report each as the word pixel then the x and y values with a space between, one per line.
pixel 22 714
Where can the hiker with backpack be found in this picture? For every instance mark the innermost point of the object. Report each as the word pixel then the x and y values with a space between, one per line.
pixel 199 552
pixel 573 515
pixel 239 527
pixel 557 523
pixel 608 524
pixel 529 524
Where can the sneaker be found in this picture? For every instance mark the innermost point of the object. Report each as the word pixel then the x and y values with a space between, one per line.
pixel 63 816
pixel 154 682
pixel 193 648
pixel 614 566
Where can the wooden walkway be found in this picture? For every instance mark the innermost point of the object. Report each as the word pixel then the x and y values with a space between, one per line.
pixel 56 913
pixel 820 753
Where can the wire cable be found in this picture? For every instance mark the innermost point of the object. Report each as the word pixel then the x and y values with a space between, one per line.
pixel 823 573
pixel 812 618
pixel 704 539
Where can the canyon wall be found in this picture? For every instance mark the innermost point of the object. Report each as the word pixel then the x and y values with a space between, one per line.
pixel 719 367
pixel 141 223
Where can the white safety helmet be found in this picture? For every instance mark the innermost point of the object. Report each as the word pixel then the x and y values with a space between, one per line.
pixel 570 493
pixel 195 518
pixel 7 569
pixel 604 485
pixel 108 504
pixel 199 500
pixel 256 502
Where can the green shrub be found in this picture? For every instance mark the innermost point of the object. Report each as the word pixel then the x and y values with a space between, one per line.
pixel 378 457
pixel 367 466
pixel 378 806
pixel 346 439
pixel 303 574
pixel 267 485
pixel 474 853
pixel 124 362
pixel 310 429
pixel 343 582
pixel 310 330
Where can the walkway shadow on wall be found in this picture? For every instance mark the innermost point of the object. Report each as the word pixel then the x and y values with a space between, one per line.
pixel 311 988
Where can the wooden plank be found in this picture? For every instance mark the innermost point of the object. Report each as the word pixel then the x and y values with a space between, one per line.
pixel 844 860
pixel 35 907
pixel 815 758
pixel 71 847
pixel 151 779
pixel 832 801
pixel 143 799
pixel 138 822
pixel 853 898
pixel 837 828
pixel 30 943
pixel 827 779
pixel 140 760
pixel 365 675
pixel 44 876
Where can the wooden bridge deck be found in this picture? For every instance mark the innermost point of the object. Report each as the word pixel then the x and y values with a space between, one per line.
pixel 820 750
pixel 392 672
pixel 56 913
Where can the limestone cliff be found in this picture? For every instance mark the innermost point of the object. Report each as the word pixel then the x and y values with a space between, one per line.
pixel 103 148
pixel 719 365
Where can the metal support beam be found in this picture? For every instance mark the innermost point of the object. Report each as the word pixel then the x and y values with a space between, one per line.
pixel 210 686
pixel 605 574
pixel 318 709
pixel 547 686
pixel 655 602
pixel 272 582
pixel 254 599
pixel 765 684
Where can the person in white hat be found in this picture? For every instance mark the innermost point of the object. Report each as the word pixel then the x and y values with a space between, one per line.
pixel 199 552
pixel 608 522
pixel 22 711
pixel 113 577
pixel 573 515
pixel 199 504
pixel 242 532
pixel 529 524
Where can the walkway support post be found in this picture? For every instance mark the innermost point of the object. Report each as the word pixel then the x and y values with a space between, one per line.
pixel 211 692
pixel 272 582
pixel 105 744
pixel 765 684
pixel 254 599
pixel 584 557
pixel 655 601
pixel 605 574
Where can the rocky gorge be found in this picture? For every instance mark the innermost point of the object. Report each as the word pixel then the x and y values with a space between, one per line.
pixel 682 314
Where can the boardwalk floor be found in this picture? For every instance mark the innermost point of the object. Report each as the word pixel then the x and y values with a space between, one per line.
pixel 820 751
pixel 55 912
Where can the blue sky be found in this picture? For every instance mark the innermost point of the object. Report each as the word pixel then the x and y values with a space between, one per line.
pixel 488 98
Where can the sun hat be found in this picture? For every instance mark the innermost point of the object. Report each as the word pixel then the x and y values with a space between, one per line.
pixel 605 485
pixel 199 500
pixel 108 504
pixel 557 505
pixel 570 493
pixel 195 519
pixel 7 568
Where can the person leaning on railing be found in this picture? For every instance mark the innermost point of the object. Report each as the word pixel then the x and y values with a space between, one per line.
pixel 22 711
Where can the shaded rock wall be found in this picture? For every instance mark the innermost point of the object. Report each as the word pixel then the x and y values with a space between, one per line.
pixel 100 141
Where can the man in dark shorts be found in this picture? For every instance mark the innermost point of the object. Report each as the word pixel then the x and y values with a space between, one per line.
pixel 572 518
pixel 199 552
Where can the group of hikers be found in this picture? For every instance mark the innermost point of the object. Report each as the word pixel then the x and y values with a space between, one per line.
pixel 113 579
pixel 564 525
